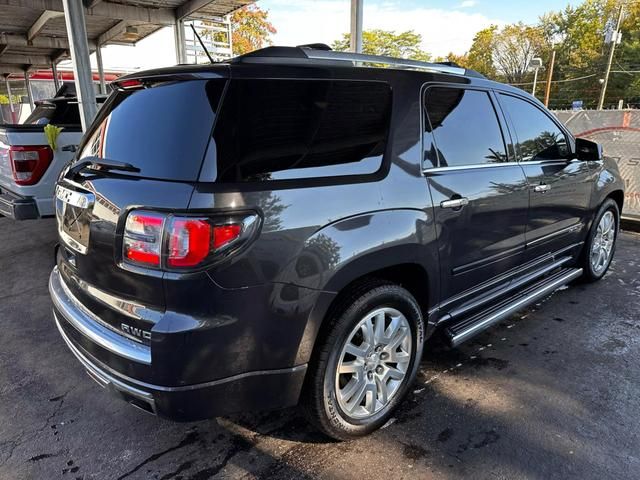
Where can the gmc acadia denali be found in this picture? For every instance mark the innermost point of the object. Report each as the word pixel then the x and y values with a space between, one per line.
pixel 291 225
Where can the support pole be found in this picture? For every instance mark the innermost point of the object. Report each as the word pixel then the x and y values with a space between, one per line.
pixel 535 82
pixel 356 25
pixel 77 33
pixel 54 72
pixel 178 35
pixel 11 107
pixel 27 85
pixel 614 40
pixel 103 85
pixel 549 76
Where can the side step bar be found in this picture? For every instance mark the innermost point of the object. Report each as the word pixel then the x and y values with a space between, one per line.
pixel 466 328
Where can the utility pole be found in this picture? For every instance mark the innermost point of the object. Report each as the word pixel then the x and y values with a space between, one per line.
pixel 614 39
pixel 547 93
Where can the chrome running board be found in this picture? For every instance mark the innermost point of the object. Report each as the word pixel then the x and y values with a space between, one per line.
pixel 466 328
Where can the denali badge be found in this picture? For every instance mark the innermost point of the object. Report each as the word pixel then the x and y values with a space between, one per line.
pixel 135 332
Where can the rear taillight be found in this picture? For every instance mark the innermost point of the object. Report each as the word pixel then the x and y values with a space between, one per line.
pixel 29 163
pixel 143 238
pixel 178 242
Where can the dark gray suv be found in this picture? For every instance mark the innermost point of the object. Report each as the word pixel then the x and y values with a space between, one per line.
pixel 291 225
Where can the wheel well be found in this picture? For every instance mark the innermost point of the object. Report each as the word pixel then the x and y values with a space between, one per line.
pixel 411 276
pixel 618 197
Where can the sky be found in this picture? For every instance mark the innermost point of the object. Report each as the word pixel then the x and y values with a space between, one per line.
pixel 445 26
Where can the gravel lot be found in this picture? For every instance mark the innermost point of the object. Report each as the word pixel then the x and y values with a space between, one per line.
pixel 554 392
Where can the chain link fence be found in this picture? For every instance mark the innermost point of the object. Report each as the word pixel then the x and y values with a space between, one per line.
pixel 618 131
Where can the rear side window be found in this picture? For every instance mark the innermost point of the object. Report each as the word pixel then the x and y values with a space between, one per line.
pixel 539 138
pixel 465 127
pixel 163 129
pixel 284 129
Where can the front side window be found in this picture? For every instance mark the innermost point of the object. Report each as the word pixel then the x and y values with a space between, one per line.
pixel 539 138
pixel 465 127
pixel 285 129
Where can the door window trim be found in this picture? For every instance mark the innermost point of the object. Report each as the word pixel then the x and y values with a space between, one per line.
pixel 500 117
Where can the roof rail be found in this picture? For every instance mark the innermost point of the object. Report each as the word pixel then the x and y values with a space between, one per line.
pixel 381 59
pixel 323 52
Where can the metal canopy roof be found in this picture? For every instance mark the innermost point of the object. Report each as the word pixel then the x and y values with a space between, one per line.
pixel 33 32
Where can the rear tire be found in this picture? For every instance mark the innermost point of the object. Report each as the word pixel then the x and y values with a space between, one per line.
pixel 366 360
pixel 601 242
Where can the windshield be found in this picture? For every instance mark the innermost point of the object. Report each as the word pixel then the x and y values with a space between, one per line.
pixel 163 129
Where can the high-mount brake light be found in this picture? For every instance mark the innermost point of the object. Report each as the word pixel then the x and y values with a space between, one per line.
pixel 129 84
pixel 29 163
pixel 159 241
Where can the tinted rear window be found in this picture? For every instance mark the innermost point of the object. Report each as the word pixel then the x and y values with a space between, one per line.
pixel 56 113
pixel 163 130
pixel 284 129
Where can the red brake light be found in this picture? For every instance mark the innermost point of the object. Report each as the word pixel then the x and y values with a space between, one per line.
pixel 133 83
pixel 189 242
pixel 157 240
pixel 29 163
pixel 224 234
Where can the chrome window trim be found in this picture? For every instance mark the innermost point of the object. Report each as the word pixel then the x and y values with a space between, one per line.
pixel 470 167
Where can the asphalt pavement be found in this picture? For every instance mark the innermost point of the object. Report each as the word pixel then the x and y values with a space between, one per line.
pixel 553 392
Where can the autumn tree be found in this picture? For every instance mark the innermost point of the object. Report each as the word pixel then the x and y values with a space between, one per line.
pixel 513 48
pixel 480 55
pixel 388 43
pixel 250 30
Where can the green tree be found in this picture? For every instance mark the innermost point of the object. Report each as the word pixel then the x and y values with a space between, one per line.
pixel 388 43
pixel 480 56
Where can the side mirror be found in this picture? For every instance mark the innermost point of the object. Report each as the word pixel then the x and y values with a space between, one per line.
pixel 586 150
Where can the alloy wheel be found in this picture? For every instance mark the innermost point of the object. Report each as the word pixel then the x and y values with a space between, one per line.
pixel 373 363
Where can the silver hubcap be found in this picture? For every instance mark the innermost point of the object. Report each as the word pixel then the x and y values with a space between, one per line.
pixel 603 243
pixel 373 362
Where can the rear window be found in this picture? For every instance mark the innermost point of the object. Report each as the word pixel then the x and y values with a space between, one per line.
pixel 163 129
pixel 56 113
pixel 285 129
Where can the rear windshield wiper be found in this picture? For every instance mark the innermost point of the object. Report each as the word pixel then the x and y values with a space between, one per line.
pixel 102 165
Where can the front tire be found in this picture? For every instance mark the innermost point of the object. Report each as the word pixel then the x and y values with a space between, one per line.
pixel 367 360
pixel 601 242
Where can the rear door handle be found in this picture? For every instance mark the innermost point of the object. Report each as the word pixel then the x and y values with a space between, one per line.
pixel 455 203
pixel 541 188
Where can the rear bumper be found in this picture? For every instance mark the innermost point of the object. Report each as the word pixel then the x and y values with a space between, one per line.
pixel 17 207
pixel 256 390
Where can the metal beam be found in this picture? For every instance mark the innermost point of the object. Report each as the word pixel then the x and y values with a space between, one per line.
pixel 356 25
pixel 158 16
pixel 178 35
pixel 17 40
pixel 77 31
pixel 17 59
pixel 54 73
pixel 27 84
pixel 190 7
pixel 103 85
pixel 10 95
pixel 7 69
pixel 39 24
pixel 112 33
pixel 59 55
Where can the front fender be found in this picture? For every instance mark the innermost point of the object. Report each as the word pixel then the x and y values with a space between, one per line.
pixel 607 181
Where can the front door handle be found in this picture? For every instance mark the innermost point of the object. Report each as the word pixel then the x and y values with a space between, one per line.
pixel 455 203
pixel 541 188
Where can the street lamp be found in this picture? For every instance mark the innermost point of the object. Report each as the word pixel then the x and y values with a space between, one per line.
pixel 536 64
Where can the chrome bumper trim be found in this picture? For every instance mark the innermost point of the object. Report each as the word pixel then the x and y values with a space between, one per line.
pixel 82 320
pixel 101 377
